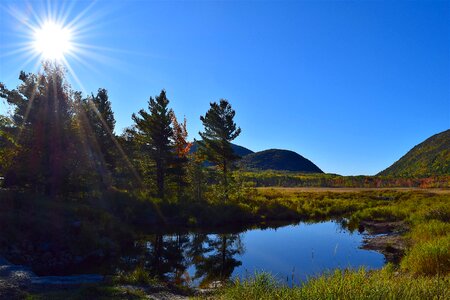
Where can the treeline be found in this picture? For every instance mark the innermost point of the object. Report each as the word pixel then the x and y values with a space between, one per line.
pixel 292 179
pixel 58 142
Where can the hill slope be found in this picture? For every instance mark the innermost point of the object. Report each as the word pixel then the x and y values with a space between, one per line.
pixel 431 157
pixel 276 159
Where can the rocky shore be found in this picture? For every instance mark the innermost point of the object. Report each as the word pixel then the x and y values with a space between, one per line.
pixel 16 280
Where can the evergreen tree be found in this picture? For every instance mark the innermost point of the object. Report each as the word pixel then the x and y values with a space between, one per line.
pixel 100 126
pixel 196 176
pixel 8 145
pixel 220 130
pixel 43 117
pixel 153 131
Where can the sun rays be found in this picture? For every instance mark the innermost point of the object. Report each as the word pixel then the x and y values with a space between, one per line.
pixel 51 31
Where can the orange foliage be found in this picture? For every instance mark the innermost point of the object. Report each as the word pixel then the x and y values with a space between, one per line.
pixel 182 146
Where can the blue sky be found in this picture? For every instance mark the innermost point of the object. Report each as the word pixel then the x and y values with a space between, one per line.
pixel 350 85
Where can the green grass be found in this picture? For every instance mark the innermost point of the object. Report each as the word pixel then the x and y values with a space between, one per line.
pixel 361 284
pixel 138 276
pixel 429 258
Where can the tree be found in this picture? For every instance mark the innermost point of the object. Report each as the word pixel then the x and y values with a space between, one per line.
pixel 8 145
pixel 182 147
pixel 220 130
pixel 153 131
pixel 98 122
pixel 42 115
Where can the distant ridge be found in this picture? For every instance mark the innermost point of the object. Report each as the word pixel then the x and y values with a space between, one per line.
pixel 277 159
pixel 239 150
pixel 272 159
pixel 431 157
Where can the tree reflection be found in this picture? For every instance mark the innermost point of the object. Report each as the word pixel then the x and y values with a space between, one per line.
pixel 165 256
pixel 168 257
pixel 220 261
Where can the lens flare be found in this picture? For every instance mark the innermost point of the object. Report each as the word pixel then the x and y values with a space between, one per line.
pixel 52 41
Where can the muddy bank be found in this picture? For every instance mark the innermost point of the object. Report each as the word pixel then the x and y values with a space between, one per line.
pixel 386 238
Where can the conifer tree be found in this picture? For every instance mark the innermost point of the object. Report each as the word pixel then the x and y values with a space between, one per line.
pixel 42 114
pixel 8 146
pixel 100 127
pixel 220 130
pixel 153 131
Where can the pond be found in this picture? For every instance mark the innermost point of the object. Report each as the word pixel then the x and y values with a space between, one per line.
pixel 292 253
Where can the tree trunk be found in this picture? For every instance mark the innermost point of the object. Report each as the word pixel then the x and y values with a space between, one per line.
pixel 160 178
pixel 225 179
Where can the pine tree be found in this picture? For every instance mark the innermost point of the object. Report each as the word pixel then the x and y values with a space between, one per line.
pixel 101 123
pixel 153 131
pixel 220 130
pixel 8 145
pixel 43 117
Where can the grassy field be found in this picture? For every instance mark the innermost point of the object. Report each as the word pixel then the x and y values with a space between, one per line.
pixel 353 189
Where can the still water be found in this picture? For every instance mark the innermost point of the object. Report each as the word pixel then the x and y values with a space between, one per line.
pixel 292 253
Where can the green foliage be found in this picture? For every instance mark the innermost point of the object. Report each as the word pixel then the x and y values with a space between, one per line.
pixel 154 133
pixel 220 130
pixel 96 122
pixel 361 284
pixel 8 145
pixel 431 157
pixel 42 113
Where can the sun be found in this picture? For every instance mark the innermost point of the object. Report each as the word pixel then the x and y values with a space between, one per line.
pixel 52 41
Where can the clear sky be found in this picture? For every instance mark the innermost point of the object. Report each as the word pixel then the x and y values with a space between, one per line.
pixel 351 85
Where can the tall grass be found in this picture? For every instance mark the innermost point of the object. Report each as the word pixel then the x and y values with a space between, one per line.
pixel 429 258
pixel 361 284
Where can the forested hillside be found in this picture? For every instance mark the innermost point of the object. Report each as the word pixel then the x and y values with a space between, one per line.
pixel 431 157
pixel 276 159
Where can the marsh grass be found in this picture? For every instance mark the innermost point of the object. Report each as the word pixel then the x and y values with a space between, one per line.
pixel 424 272
pixel 361 284
pixel 429 258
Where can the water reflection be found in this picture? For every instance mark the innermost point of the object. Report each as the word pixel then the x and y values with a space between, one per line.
pixel 202 258
pixel 217 261
pixel 168 257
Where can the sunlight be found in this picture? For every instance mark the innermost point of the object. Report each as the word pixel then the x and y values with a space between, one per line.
pixel 52 41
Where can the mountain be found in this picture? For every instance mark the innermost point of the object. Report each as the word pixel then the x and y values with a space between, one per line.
pixel 239 150
pixel 431 157
pixel 276 159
